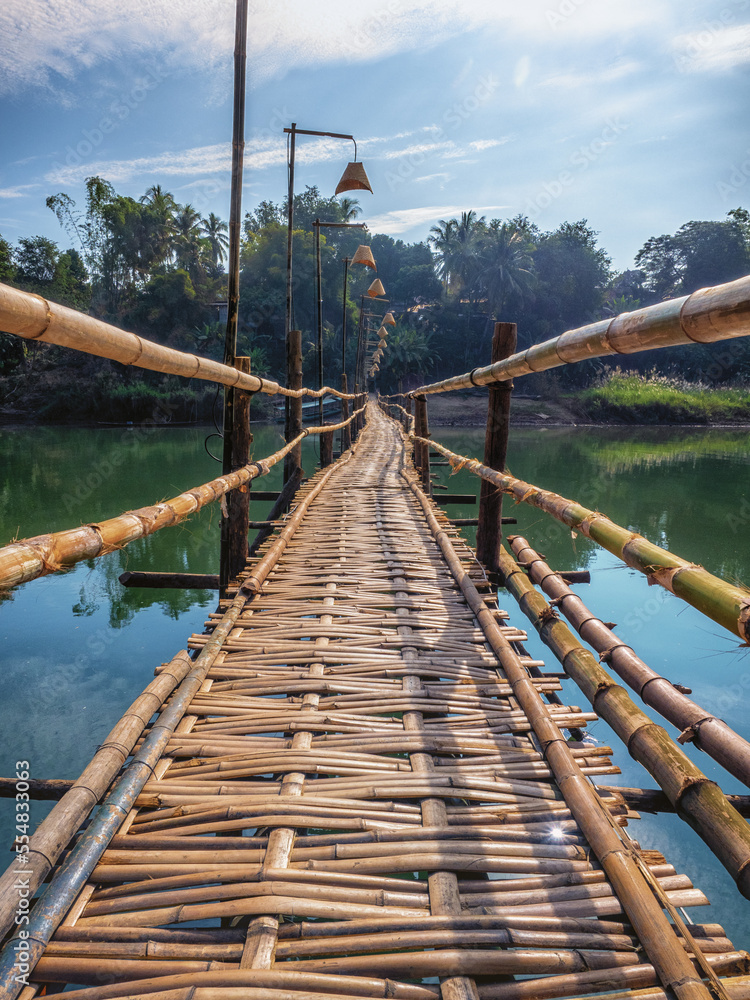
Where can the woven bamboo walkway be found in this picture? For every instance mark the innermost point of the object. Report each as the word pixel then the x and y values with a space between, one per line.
pixel 357 805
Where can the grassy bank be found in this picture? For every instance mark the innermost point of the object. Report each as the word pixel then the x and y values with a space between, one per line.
pixel 628 397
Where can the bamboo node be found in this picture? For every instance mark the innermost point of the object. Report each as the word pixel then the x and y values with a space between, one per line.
pixel 689 734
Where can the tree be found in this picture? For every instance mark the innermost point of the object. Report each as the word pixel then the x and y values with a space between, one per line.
pixel 697 255
pixel 215 231
pixel 455 242
pixel 506 263
pixel 350 209
pixel 36 260
pixel 7 267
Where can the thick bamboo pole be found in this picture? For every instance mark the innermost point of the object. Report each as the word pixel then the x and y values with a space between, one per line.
pixel 236 525
pixel 34 557
pixel 52 906
pixel 696 798
pixel 698 726
pixel 489 529
pixel 723 602
pixel 293 422
pixel 34 318
pixel 659 939
pixel 708 315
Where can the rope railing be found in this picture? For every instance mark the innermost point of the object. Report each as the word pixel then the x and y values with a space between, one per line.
pixel 721 312
pixel 32 317
pixel 718 600
pixel 41 555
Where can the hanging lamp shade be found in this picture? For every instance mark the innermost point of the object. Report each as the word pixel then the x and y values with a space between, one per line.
pixel 376 289
pixel 388 320
pixel 381 344
pixel 383 333
pixel 363 255
pixel 354 178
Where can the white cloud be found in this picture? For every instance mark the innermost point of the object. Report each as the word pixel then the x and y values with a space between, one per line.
pixel 594 77
pixel 48 44
pixel 405 219
pixel 521 71
pixel 713 48
pixel 19 191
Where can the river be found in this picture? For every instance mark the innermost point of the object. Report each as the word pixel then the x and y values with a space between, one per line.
pixel 78 647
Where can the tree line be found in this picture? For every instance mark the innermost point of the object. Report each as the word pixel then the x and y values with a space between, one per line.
pixel 155 266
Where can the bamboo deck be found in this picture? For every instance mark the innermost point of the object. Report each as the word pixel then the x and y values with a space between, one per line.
pixel 358 804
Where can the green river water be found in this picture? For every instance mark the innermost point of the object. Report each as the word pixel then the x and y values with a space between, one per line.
pixel 77 647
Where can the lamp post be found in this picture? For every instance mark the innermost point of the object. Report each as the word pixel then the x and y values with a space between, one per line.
pixel 319 288
pixel 359 364
pixel 354 178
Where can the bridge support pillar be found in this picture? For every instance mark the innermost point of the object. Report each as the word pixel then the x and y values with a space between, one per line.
pixel 293 422
pixel 346 432
pixel 489 531
pixel 422 451
pixel 236 525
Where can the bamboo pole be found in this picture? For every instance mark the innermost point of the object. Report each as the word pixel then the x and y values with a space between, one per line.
pixel 696 798
pixel 35 318
pixel 705 317
pixel 644 911
pixel 236 525
pixel 489 530
pixel 82 859
pixel 697 725
pixel 724 603
pixel 34 557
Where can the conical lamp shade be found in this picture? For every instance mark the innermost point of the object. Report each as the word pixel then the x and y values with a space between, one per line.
pixel 364 256
pixel 376 289
pixel 383 333
pixel 381 344
pixel 388 320
pixel 354 178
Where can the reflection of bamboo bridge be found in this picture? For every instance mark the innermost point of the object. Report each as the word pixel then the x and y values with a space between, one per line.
pixel 357 782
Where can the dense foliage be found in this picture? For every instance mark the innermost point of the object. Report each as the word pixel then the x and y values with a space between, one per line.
pixel 156 267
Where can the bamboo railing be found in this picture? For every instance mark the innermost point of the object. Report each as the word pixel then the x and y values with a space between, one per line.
pixel 695 797
pixel 52 836
pixel 697 725
pixel 708 315
pixel 35 318
pixel 31 558
pixel 722 602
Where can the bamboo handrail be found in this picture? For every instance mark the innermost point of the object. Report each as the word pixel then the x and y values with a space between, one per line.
pixel 644 910
pixel 717 313
pixel 51 908
pixel 31 558
pixel 697 724
pixel 720 601
pixel 32 317
pixel 696 798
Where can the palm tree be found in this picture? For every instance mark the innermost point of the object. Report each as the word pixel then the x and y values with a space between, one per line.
pixel 349 209
pixel 187 239
pixel 215 230
pixel 505 265
pixel 456 244
pixel 163 206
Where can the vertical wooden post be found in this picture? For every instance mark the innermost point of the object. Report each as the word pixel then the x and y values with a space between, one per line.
pixel 238 501
pixel 294 408
pixel 346 432
pixel 422 429
pixel 489 531
pixel 326 449
pixel 406 400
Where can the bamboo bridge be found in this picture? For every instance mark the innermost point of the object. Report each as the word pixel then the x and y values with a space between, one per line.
pixel 355 781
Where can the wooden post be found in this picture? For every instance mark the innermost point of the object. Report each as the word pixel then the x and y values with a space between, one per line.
pixel 422 429
pixel 326 448
pixel 406 400
pixel 236 525
pixel 346 432
pixel 294 404
pixel 489 531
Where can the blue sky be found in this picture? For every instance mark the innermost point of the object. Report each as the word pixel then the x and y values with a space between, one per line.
pixel 630 113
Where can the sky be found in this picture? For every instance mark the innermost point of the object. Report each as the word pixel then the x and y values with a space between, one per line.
pixel 632 114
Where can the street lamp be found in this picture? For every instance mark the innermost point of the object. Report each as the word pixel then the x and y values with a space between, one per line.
pixel 319 288
pixel 363 255
pixel 354 179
